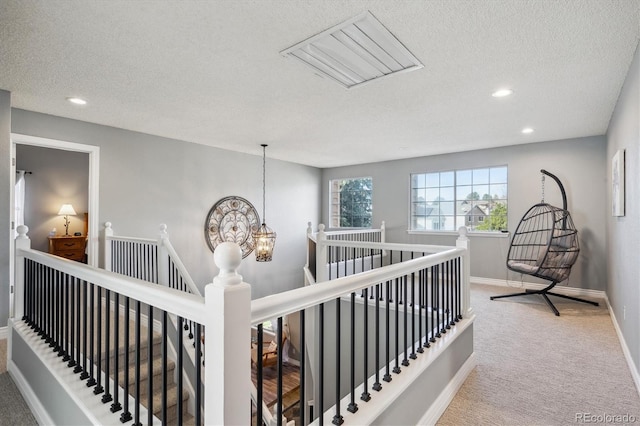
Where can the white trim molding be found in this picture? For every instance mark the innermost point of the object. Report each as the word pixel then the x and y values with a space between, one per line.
pixel 522 285
pixel 437 409
pixel 625 348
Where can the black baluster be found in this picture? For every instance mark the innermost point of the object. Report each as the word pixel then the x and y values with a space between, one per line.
pixel 413 316
pixel 377 385
pixel 259 374
pixel 71 337
pixel 126 414
pixel 353 407
pixel 67 329
pixel 85 331
pixel 150 366
pixel 337 418
pixel 165 358
pixel 78 368
pixel 403 281
pixel 116 406
pixel 321 366
pixel 279 373
pixel 387 375
pixel 179 367
pixel 396 368
pixel 199 375
pixel 99 389
pixel 303 402
pixel 459 288
pixel 92 380
pixel 365 396
pixel 421 305
pixel 434 302
pixel 137 365
pixel 107 334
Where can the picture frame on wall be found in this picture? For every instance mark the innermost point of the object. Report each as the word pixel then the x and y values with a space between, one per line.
pixel 617 183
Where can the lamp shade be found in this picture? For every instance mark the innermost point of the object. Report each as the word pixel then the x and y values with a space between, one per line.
pixel 66 210
pixel 264 240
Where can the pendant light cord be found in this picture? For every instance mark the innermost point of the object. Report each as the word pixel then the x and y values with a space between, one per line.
pixel 264 166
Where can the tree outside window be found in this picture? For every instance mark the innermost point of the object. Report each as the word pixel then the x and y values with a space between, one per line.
pixel 351 205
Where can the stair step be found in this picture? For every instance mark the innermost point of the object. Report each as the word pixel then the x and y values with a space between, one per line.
pixel 144 374
pixel 172 402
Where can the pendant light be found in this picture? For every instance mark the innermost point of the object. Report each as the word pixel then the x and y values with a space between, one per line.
pixel 264 238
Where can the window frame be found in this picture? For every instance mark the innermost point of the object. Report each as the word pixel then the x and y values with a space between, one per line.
pixel 332 204
pixel 488 233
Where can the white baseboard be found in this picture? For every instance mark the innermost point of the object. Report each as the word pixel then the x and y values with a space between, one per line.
pixel 37 409
pixel 625 349
pixel 438 408
pixel 522 285
pixel 4 332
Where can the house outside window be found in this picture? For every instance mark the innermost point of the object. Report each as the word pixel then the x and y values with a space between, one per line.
pixel 445 201
pixel 350 203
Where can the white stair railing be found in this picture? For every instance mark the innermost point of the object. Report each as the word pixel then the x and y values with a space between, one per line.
pixel 434 286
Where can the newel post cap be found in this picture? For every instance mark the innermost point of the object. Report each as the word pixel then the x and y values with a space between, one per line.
pixel 462 233
pixel 22 232
pixel 227 258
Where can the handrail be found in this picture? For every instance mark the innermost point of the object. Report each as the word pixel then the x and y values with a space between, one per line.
pixel 282 304
pixel 425 248
pixel 173 255
pixel 185 305
pixel 130 239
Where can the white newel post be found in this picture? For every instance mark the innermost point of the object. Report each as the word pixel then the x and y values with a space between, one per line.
pixel 22 243
pixel 463 242
pixel 322 274
pixel 108 233
pixel 228 336
pixel 383 232
pixel 163 256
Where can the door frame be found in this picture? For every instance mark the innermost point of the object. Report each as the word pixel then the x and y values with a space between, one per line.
pixel 94 185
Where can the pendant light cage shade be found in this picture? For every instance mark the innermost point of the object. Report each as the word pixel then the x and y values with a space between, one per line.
pixel 264 241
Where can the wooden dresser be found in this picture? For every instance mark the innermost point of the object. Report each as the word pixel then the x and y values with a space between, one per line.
pixel 69 247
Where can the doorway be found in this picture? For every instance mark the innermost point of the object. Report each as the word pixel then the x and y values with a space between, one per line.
pixel 93 153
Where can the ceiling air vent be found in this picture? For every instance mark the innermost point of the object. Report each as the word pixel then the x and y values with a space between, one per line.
pixel 355 52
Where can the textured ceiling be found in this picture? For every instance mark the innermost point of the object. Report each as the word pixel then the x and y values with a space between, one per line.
pixel 211 72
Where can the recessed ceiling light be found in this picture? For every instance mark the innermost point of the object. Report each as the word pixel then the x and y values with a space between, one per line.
pixel 502 93
pixel 527 130
pixel 77 101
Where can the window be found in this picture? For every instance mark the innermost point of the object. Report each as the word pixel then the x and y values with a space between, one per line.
pixel 445 201
pixel 351 202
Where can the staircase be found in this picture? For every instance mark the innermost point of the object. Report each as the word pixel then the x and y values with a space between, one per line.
pixel 127 356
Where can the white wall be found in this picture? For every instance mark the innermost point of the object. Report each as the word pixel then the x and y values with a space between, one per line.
pixel 578 163
pixel 623 286
pixel 147 180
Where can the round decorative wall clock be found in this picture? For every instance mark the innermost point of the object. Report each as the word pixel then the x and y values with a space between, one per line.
pixel 231 219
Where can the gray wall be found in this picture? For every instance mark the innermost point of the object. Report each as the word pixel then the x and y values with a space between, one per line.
pixel 624 232
pixel 579 163
pixel 58 177
pixel 5 208
pixel 147 180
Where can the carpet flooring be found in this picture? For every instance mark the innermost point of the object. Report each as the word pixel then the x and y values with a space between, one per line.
pixel 534 368
pixel 14 411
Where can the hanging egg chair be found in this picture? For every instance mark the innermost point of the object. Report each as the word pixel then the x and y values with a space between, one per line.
pixel 545 245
